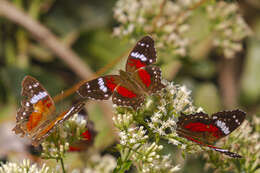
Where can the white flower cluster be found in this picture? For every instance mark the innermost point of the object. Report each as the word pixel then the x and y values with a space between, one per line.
pixel 168 22
pixel 123 120
pixel 100 164
pixel 163 19
pixel 230 28
pixel 24 167
pixel 52 151
pixel 133 137
pixel 135 146
pixel 175 99
pixel 178 96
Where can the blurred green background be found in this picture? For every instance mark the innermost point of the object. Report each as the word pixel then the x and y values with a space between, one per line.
pixel 86 27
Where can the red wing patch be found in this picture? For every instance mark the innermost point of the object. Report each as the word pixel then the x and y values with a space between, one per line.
pixel 200 127
pixel 36 117
pixel 124 92
pixel 135 63
pixel 205 130
pixel 125 97
pixel 143 54
pixel 149 78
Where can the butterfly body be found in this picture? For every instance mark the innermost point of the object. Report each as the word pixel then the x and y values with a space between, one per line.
pixel 36 118
pixel 129 87
pixel 205 130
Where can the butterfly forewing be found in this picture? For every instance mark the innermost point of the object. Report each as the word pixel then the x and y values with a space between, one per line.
pixel 143 54
pixel 228 121
pixel 36 106
pixel 100 88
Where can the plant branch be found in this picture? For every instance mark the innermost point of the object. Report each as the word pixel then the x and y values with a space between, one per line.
pixel 44 36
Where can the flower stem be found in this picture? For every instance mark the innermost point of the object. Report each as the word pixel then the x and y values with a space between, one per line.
pixel 62 165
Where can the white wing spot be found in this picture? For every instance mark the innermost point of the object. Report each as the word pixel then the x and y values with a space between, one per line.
pixel 30 87
pixel 214 117
pixel 234 116
pixel 150 60
pixel 102 85
pixel 38 97
pixel 36 85
pixel 138 56
pixel 27 104
pixel 223 126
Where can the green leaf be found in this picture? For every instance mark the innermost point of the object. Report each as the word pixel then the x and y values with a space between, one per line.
pixel 122 166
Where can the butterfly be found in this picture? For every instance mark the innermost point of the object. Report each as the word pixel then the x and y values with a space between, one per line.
pixel 205 130
pixel 128 88
pixel 37 118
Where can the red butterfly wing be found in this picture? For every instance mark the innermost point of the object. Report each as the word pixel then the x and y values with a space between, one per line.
pixel 100 88
pixel 200 126
pixel 143 54
pixel 149 78
pixel 124 96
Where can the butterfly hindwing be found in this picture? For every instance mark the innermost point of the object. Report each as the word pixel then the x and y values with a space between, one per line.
pixel 227 152
pixel 199 126
pixel 100 88
pixel 143 54
pixel 48 126
pixel 149 78
pixel 122 96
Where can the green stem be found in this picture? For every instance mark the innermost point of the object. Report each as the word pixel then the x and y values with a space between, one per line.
pixel 62 165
